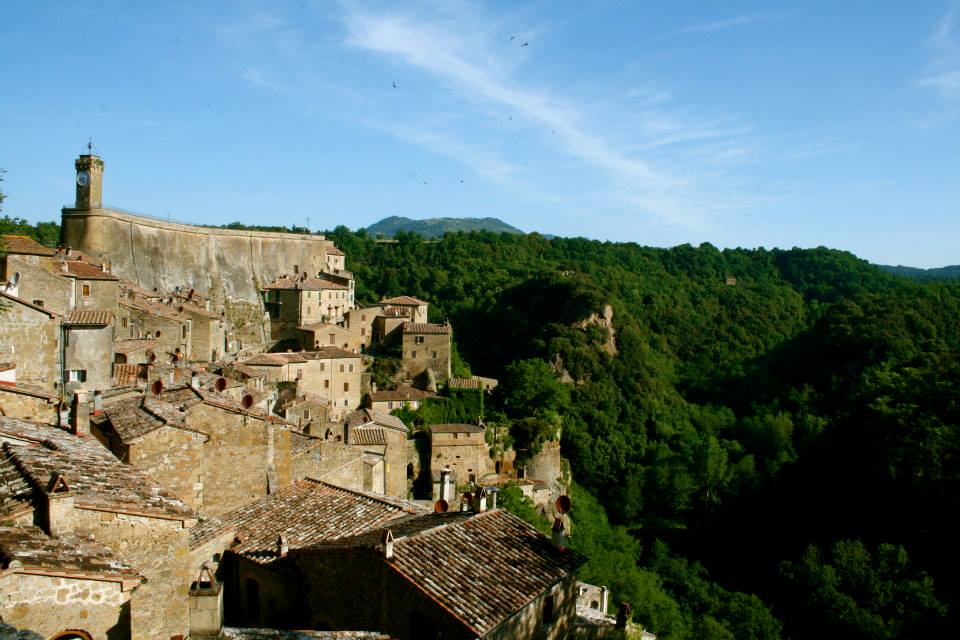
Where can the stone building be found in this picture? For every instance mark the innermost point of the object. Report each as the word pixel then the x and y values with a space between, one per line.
pixel 308 412
pixel 462 448
pixel 333 375
pixel 31 272
pixel 141 317
pixel 302 300
pixel 413 308
pixel 325 334
pixel 383 437
pixel 88 349
pixel 359 323
pixel 30 336
pixel 28 402
pixel 404 396
pixel 77 492
pixel 426 351
pixel 408 578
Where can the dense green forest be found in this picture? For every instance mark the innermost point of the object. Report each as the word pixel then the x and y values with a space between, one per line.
pixel 772 457
pixel 778 457
pixel 952 271
pixel 436 227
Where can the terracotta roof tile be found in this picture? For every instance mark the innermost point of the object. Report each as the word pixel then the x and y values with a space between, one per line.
pixel 369 416
pixel 306 284
pixel 96 477
pixel 25 245
pixel 366 436
pixel 132 345
pixel 402 393
pixel 86 271
pixel 30 550
pixel 307 512
pixel 425 328
pixel 404 301
pixel 90 317
pixel 328 353
pixel 456 428
pixel 126 374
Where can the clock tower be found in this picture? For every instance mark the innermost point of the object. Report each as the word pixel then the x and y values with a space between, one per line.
pixel 89 182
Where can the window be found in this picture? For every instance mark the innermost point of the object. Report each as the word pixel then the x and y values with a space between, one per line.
pixel 351 368
pixel 183 331
pixel 341 368
pixel 346 386
pixel 434 355
pixel 548 610
pixel 418 339
pixel 39 303
pixel 323 366
pixel 363 318
pixel 306 414
pixel 77 375
pixel 124 322
pixel 85 290
pixel 333 338
pixel 296 268
pixel 326 384
pixel 413 354
pixel 363 331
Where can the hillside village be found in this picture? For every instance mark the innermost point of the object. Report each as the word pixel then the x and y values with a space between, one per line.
pixel 187 454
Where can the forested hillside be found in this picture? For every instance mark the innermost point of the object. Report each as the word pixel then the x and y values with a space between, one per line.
pixel 775 442
pixel 436 227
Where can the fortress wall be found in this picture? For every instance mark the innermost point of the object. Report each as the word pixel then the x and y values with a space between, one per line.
pixel 227 263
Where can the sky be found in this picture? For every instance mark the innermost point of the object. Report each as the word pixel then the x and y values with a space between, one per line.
pixel 741 124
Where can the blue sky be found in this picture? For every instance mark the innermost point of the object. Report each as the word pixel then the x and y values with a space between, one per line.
pixel 736 123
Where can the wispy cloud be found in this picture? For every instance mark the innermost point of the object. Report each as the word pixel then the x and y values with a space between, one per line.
pixel 480 75
pixel 943 70
pixel 722 25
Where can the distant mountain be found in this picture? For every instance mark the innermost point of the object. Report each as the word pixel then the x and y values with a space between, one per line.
pixel 436 227
pixel 939 273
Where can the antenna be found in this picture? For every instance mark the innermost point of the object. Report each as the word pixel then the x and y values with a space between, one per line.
pixel 563 504
pixel 157 387
pixel 221 384
pixel 247 401
pixel 15 278
pixel 90 146
pixel 440 506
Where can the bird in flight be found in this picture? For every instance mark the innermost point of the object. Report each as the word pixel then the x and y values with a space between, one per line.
pixel 512 37
pixel 394 85
pixel 525 44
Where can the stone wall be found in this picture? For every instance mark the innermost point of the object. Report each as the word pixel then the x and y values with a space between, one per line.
pixel 15 403
pixel 534 622
pixel 89 348
pixel 174 458
pixel 332 462
pixel 430 351
pixel 244 455
pixel 229 263
pixel 49 605
pixel 159 550
pixel 31 338
pixel 465 453
pixel 38 283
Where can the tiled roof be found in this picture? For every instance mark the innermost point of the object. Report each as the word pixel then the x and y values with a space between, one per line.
pixel 305 284
pixel 136 417
pixel 395 312
pixel 243 369
pixel 366 436
pixel 472 383
pixel 320 326
pixel 369 416
pixel 456 428
pixel 152 307
pixel 132 345
pixel 97 479
pixel 15 491
pixel 90 317
pixel 483 568
pixel 86 271
pixel 426 328
pixel 25 245
pixel 328 353
pixel 403 301
pixel 274 359
pixel 404 392
pixel 28 390
pixel 30 550
pixel 125 374
pixel 301 442
pixel 307 512
pixel 332 250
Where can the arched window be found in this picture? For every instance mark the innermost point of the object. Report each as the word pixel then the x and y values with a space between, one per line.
pixel 72 634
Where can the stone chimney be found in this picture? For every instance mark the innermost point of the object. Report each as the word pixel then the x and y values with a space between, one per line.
pixel 387 539
pixel 480 500
pixel 493 497
pixel 97 402
pixel 558 533
pixel 446 486
pixel 58 517
pixel 604 598
pixel 283 546
pixel 195 380
pixel 80 414
pixel 206 604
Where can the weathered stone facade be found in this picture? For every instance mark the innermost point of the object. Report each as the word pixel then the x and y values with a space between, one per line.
pixel 427 347
pixel 30 336
pixel 29 404
pixel 462 448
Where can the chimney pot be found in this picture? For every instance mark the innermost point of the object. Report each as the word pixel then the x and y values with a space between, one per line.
pixel 558 533
pixel 387 539
pixel 97 402
pixel 195 380
pixel 283 546
pixel 80 414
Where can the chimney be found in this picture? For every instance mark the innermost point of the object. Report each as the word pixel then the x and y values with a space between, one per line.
pixel 80 414
pixel 283 546
pixel 480 500
pixel 97 402
pixel 493 497
pixel 63 266
pixel 604 598
pixel 59 514
pixel 387 540
pixel 446 487
pixel 195 380
pixel 623 615
pixel 558 533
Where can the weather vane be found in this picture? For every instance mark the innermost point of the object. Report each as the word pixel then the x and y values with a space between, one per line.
pixel 90 146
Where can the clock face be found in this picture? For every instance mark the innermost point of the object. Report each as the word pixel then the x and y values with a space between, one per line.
pixel 83 178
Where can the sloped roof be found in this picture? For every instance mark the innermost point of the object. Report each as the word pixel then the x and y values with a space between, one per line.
pixel 25 245
pixel 97 479
pixel 329 353
pixel 136 417
pixel 132 345
pixel 481 567
pixel 403 393
pixel 30 550
pixel 30 305
pixel 93 317
pixel 369 416
pixel 305 284
pixel 366 436
pixel 404 301
pixel 86 271
pixel 425 328
pixel 306 512
pixel 125 374
pixel 456 428
pixel 334 251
